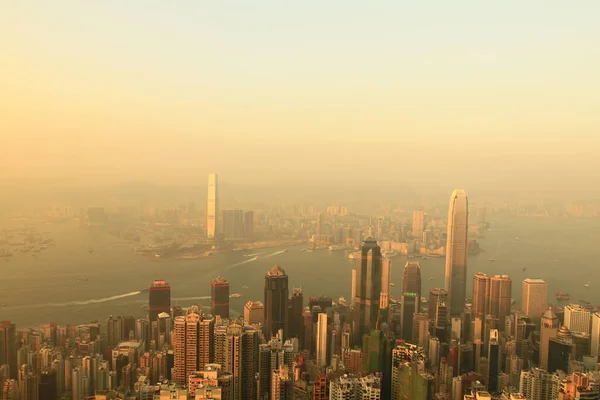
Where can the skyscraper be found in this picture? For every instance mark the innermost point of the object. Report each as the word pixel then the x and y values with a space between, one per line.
pixel 275 355
pixel 411 297
pixel 367 289
pixel 456 251
pixel 481 292
pixel 192 342
pixel 276 303
pixel 212 207
pixel 159 299
pixel 219 297
pixel 548 330
pixel 436 295
pixel 577 319
pixel 8 347
pixel 533 297
pixel 500 297
pixel 295 314
pixel 322 340
pixel 232 224
pixel 418 225
pixel 595 335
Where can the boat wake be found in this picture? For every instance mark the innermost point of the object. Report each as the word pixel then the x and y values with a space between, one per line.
pixel 244 262
pixel 75 303
pixel 191 298
pixel 253 254
pixel 275 254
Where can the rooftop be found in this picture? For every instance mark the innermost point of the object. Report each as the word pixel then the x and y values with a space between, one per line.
pixel 276 271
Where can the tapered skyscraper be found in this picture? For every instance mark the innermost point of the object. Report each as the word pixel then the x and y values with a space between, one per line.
pixel 367 289
pixel 456 251
pixel 276 302
pixel 212 206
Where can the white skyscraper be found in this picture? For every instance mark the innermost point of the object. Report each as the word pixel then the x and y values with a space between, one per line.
pixel 456 251
pixel 577 318
pixel 595 335
pixel 212 206
pixel 322 340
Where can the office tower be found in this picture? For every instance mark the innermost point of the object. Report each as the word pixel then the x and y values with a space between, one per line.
pixel 353 287
pixel 456 252
pixel 595 336
pixel 307 330
pixel 254 313
pixel 232 222
pixel 533 297
pixel 273 356
pixel 249 225
pixel 481 293
pixel 560 351
pixel 548 330
pixel 276 299
pixel 577 318
pixel 421 328
pixel 494 358
pixel 499 302
pixel 192 343
pixel 295 314
pixel 411 297
pixel 159 299
pixel 219 297
pixel 236 349
pixel 8 347
pixel 212 207
pixel 368 289
pixel 386 275
pixel 418 225
pixel 322 340
pixel 436 295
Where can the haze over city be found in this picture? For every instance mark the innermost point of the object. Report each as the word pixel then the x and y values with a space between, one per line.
pixel 299 200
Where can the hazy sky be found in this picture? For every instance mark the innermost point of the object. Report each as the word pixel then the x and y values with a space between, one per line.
pixel 310 91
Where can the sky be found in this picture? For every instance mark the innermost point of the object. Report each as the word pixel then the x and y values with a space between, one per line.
pixel 456 93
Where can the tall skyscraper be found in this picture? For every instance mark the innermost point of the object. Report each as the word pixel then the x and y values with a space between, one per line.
pixel 533 297
pixel 481 292
pixel 295 314
pixel 276 302
pixel 8 347
pixel 322 340
pixel 386 275
pixel 159 299
pixel 418 225
pixel 436 295
pixel 500 297
pixel 192 342
pixel 595 335
pixel 219 297
pixel 232 222
pixel 456 251
pixel 411 297
pixel 368 289
pixel 212 206
pixel 548 330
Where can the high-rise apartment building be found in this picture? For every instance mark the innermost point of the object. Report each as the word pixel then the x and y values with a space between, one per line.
pixel 212 207
pixel 418 225
pixel 8 347
pixel 219 297
pixel 548 330
pixel 254 312
pixel 577 318
pixel 411 297
pixel 410 380
pixel 159 299
pixel 276 302
pixel 192 343
pixel 273 356
pixel 322 340
pixel 232 222
pixel 456 252
pixel 367 289
pixel 533 297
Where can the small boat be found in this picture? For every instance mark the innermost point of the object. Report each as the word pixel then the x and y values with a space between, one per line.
pixel 389 254
pixel 284 250
pixel 491 259
pixel 431 278
pixel 157 255
pixel 90 250
pixel 244 287
pixel 235 295
pixel 392 284
pixel 517 238
pixel 587 285
pixel 354 255
pixel 524 269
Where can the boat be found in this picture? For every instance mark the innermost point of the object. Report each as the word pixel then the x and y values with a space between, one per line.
pixel 336 247
pixel 389 254
pixel 284 250
pixel 587 285
pixel 431 278
pixel 517 238
pixel 354 255
pixel 235 295
pixel 562 296
pixel 491 259
pixel 157 255
pixel 425 257
pixel 244 287
pixel 90 250
pixel 392 284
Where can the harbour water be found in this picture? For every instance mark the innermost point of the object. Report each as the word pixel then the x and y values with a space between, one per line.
pixel 67 284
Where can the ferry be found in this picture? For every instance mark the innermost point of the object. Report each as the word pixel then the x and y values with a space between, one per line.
pixel 235 295
pixel 392 284
pixel 389 254
pixel 562 296
pixel 244 287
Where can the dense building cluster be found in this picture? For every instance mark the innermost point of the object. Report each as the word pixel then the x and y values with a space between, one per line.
pixel 441 345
